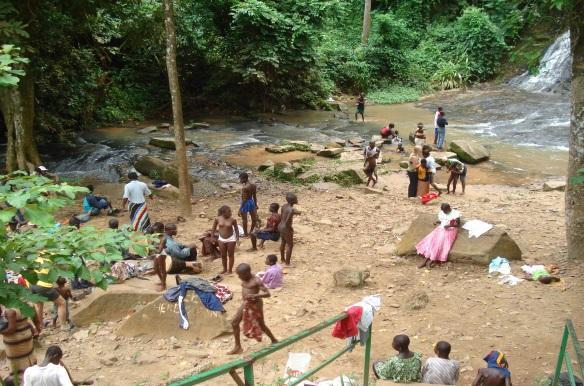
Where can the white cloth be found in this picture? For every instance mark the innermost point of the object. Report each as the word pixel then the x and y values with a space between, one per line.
pixel 476 228
pixel 49 375
pixel 136 191
pixel 419 141
pixel 231 239
pixel 501 265
pixel 530 269
pixel 431 164
pixel 370 305
pixel 369 152
pixel 436 115
pixel 446 218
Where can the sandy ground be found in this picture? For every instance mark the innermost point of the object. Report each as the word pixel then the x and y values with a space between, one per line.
pixel 351 228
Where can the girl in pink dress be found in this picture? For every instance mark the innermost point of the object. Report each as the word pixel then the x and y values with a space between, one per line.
pixel 436 246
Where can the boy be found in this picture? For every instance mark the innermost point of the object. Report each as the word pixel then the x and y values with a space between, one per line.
pixel 249 203
pixel 426 149
pixel 403 368
pixel 273 277
pixel 270 232
pixel 496 373
pixel 441 370
pixel 457 170
pixel 371 154
pixel 181 257
pixel 419 136
pixel 360 106
pixel 228 237
pixel 285 227
pixel 66 294
pixel 252 309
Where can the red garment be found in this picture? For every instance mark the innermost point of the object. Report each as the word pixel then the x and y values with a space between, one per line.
pixel 385 132
pixel 346 328
pixel 252 316
pixel 426 198
pixel 273 221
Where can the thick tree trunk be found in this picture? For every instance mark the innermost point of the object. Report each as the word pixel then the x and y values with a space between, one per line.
pixel 575 193
pixel 27 100
pixel 177 114
pixel 366 22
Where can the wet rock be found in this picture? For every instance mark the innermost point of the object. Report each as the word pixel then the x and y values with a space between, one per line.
pixel 404 164
pixel 340 142
pixel 350 278
pixel 197 125
pixel 348 177
pixel 330 153
pixel 266 165
pixel 167 142
pixel 351 156
pixel 158 169
pixel 496 242
pixel 356 141
pixel 549 186
pixel 315 147
pixel 278 149
pixel 164 125
pixel 417 301
pixel 148 130
pixel 298 145
pixel 442 157
pixel 332 145
pixel 469 152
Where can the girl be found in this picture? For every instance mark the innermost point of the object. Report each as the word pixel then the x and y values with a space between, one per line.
pixel 436 246
pixel 419 136
pixel 228 236
pixel 423 178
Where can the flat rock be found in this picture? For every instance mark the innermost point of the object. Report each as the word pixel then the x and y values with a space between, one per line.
pixel 340 142
pixel 156 168
pixel 169 192
pixel 311 176
pixel 404 164
pixel 469 152
pixel 316 147
pixel 325 186
pixel 266 165
pixel 148 130
pixel 496 242
pixel 197 125
pixel 356 141
pixel 330 153
pixel 442 157
pixel 351 156
pixel 299 145
pixel 278 149
pixel 351 278
pixel 549 186
pixel 167 142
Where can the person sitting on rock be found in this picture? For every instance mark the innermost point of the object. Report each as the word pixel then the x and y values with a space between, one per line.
pixel 270 232
pixel 441 370
pixel 93 205
pixel 402 368
pixel 497 372
pixel 175 257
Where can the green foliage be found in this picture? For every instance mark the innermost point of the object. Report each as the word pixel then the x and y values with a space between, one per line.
pixel 578 179
pixel 395 94
pixel 9 62
pixel 65 251
pixel 450 75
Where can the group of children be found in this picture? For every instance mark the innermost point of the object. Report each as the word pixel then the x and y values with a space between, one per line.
pixel 407 367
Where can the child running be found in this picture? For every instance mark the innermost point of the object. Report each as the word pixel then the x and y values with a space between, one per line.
pixel 441 370
pixel 252 309
pixel 228 237
pixel 270 232
pixel 285 228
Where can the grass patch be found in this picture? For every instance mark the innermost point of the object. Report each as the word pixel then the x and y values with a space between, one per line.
pixel 395 94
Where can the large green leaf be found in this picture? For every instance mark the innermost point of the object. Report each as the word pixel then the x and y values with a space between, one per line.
pixel 38 217
pixel 6 215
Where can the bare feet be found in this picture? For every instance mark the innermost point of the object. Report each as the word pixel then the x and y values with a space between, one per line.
pixel 274 341
pixel 448 192
pixel 161 287
pixel 423 264
pixel 222 273
pixel 236 350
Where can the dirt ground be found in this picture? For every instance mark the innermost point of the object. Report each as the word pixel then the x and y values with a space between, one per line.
pixel 352 228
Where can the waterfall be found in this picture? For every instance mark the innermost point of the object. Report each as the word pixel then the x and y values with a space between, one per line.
pixel 555 69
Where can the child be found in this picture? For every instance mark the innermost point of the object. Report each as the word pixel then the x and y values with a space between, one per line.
pixel 419 136
pixel 423 178
pixel 403 368
pixel 400 149
pixel 65 292
pixel 496 373
pixel 441 370
pixel 252 309
pixel 371 154
pixel 249 203
pixel 228 237
pixel 270 232
pixel 273 277
pixel 457 170
pixel 360 106
pixel 285 227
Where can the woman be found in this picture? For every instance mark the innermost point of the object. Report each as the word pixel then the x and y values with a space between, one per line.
pixel 413 164
pixel 436 246
pixel 423 178
pixel 135 193
pixel 17 334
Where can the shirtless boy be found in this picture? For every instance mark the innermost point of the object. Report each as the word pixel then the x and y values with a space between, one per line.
pixel 249 203
pixel 371 154
pixel 251 311
pixel 228 236
pixel 285 228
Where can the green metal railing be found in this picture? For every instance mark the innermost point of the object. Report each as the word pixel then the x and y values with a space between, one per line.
pixel 247 362
pixel 564 356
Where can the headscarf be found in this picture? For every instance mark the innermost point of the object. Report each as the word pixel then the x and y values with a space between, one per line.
pixel 497 360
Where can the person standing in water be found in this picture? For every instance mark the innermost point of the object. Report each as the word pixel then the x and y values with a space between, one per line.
pixel 249 203
pixel 441 122
pixel 436 115
pixel 360 106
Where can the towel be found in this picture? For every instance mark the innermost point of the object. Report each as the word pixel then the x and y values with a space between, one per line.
pixel 476 228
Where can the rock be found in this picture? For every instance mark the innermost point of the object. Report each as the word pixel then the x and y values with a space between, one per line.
pixel 442 156
pixel 282 165
pixel 278 149
pixel 146 359
pixel 265 165
pixel 298 145
pixel 496 242
pixel 417 301
pixel 404 164
pixel 227 186
pixel 348 177
pixel 549 186
pixel 469 152
pixel 385 158
pixel 148 130
pixel 309 177
pixel 368 190
pixel 340 142
pixel 330 153
pixel 287 173
pixel 356 141
pixel 350 278
pixel 81 335
pixel 164 126
pixel 315 147
pixel 324 186
pixel 197 125
pixel 351 156
pixel 167 142
pixel 170 192
pixel 158 169
pixel 331 145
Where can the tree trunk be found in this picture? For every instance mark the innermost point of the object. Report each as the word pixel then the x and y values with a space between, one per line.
pixel 366 22
pixel 27 99
pixel 575 193
pixel 177 114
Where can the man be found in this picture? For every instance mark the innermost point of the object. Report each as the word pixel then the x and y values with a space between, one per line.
pixel 441 122
pixel 360 106
pixel 135 193
pixel 249 203
pixel 431 163
pixel 285 228
pixel 93 204
pixel 436 116
pixel 51 371
pixel 371 154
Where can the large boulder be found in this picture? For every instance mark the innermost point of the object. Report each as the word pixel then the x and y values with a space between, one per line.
pixel 482 250
pixel 316 147
pixel 469 152
pixel 266 165
pixel 109 306
pixel 299 145
pixel 158 169
pixel 330 153
pixel 170 192
pixel 549 186
pixel 148 130
pixel 442 157
pixel 167 142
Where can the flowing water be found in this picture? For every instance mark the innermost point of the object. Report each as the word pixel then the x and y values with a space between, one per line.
pixel 524 123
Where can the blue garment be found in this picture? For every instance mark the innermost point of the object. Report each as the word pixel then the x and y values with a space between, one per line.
pixel 496 360
pixel 265 235
pixel 94 204
pixel 178 294
pixel 441 137
pixel 248 206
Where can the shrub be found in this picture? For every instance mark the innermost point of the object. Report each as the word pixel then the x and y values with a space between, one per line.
pixel 451 75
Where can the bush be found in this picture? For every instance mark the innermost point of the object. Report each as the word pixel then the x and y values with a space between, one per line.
pixel 451 75
pixel 395 94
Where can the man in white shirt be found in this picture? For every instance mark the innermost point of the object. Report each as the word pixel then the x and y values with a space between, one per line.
pixel 49 372
pixel 135 193
pixel 436 116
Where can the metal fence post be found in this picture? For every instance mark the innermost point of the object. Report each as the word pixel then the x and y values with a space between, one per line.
pixel 248 375
pixel 367 356
pixel 560 362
